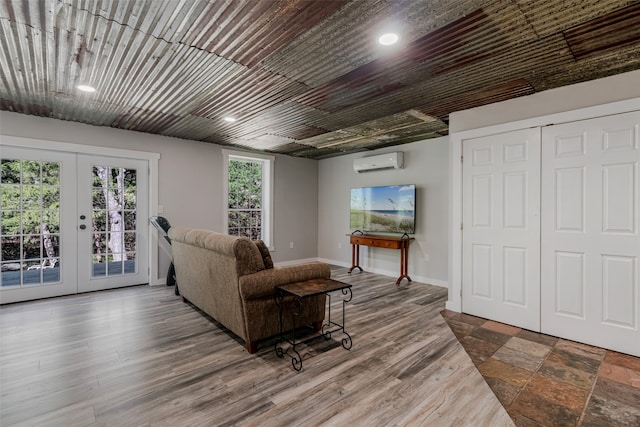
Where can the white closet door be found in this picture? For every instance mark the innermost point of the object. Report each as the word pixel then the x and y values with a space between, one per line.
pixel 590 244
pixel 501 238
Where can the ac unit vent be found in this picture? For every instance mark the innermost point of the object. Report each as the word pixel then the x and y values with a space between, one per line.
pixel 379 162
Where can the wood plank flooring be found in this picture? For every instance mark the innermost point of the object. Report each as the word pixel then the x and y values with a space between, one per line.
pixel 140 356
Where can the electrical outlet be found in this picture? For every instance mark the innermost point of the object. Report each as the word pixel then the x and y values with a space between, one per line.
pixel 339 245
pixel 426 257
pixel 290 245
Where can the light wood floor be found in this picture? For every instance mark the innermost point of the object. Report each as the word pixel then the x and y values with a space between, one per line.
pixel 140 356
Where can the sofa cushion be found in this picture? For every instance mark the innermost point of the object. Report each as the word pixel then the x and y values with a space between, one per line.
pixel 262 284
pixel 266 255
pixel 248 257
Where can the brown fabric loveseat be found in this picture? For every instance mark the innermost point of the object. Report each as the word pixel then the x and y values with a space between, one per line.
pixel 225 276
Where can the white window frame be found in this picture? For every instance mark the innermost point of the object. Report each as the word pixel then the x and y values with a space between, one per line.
pixel 268 163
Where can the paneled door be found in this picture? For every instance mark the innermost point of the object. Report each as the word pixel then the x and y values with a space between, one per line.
pixel 590 239
pixel 71 223
pixel 501 227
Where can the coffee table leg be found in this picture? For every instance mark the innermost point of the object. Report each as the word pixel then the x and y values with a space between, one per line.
pixel 296 359
pixel 327 327
pixel 279 298
pixel 346 341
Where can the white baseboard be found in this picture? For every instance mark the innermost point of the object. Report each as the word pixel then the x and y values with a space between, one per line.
pixel 161 281
pixel 453 306
pixel 421 279
pixel 334 262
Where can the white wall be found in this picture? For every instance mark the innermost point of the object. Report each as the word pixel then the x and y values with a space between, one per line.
pixel 562 99
pixel 611 95
pixel 426 166
pixel 191 183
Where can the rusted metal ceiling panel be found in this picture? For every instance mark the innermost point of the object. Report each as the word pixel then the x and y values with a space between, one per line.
pixel 475 98
pixel 191 127
pixel 30 109
pixel 383 76
pixel 473 38
pixel 398 128
pixel 145 121
pixel 314 153
pixel 300 74
pixel 554 16
pixel 337 46
pixel 509 64
pixel 247 32
pixel 614 30
pixel 246 94
pixel 285 119
pixel 604 65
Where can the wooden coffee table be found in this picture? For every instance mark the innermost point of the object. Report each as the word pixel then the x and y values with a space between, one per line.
pixel 300 291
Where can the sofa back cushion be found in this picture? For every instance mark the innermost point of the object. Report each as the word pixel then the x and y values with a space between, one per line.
pixel 266 255
pixel 248 257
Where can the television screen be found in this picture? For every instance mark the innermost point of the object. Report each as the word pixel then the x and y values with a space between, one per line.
pixel 388 209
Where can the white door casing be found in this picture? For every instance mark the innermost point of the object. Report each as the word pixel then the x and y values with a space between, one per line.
pixel 589 232
pixel 501 237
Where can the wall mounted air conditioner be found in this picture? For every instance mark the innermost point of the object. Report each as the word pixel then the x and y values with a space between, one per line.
pixel 380 162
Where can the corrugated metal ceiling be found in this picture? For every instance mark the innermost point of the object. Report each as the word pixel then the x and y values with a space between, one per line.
pixel 304 78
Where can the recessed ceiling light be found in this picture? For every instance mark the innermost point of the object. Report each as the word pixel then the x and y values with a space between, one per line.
pixel 229 119
pixel 86 88
pixel 388 39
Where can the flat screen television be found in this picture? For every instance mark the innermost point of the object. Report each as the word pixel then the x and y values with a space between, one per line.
pixel 386 209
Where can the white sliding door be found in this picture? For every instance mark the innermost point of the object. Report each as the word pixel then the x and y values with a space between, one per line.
pixel 590 238
pixel 501 235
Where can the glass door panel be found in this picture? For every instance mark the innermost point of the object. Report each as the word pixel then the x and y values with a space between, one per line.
pixel 114 223
pixel 37 191
pixel 111 200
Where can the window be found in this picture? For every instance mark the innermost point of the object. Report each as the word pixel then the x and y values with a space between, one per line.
pixel 248 195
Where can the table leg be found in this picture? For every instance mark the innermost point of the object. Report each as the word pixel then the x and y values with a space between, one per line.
pixel 346 341
pixel 355 258
pixel 296 358
pixel 279 298
pixel 326 328
pixel 404 263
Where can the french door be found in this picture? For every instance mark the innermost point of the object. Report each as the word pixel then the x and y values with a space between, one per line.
pixel 112 222
pixel 71 223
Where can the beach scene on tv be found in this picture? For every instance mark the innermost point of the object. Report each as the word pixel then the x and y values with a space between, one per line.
pixel 388 209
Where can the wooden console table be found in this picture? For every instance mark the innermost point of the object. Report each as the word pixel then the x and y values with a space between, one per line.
pixel 381 242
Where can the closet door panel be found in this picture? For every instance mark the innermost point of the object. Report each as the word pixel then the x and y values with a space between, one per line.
pixel 501 236
pixel 590 247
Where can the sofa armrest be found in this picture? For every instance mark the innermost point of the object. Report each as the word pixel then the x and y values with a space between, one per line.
pixel 263 283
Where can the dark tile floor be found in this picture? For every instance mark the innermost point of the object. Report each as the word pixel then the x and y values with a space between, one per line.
pixel 547 381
